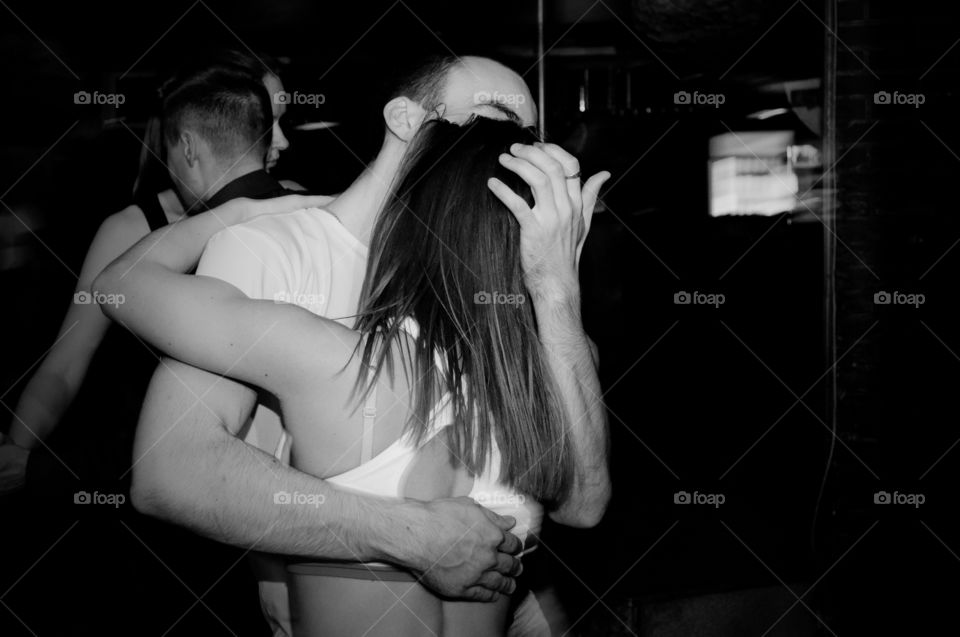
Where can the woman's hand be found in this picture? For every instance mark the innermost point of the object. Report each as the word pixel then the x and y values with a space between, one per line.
pixel 554 230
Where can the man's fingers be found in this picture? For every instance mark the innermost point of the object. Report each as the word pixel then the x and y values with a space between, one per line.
pixel 591 191
pixel 539 157
pixel 511 544
pixel 511 200
pixel 553 169
pixel 480 594
pixel 505 522
pixel 508 565
pixel 496 582
pixel 571 166
pixel 540 182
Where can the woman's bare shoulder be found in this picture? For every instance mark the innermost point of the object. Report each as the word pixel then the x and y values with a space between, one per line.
pixel 128 223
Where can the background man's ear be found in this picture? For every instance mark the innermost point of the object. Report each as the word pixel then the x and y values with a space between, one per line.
pixel 403 117
pixel 190 147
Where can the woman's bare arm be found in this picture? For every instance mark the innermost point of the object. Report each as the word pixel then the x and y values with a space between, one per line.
pixel 209 323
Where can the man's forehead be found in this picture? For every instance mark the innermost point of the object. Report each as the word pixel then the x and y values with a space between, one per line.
pixel 494 91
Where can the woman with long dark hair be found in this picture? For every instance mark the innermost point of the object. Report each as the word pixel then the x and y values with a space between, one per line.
pixel 439 389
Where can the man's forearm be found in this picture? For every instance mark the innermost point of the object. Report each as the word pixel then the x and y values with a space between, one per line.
pixel 226 490
pixel 570 359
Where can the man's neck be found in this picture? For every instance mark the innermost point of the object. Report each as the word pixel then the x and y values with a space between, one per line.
pixel 357 207
pixel 217 182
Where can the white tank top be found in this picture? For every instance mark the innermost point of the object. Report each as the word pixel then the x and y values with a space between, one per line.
pixel 383 474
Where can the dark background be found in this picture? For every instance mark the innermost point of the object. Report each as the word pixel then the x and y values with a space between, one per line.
pixel 740 400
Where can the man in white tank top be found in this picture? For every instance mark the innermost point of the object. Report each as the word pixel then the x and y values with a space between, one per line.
pixel 189 469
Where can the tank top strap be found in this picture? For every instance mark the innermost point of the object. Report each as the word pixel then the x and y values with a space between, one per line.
pixel 153 211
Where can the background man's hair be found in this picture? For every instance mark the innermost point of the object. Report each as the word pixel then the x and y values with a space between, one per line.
pixel 257 65
pixel 152 175
pixel 228 108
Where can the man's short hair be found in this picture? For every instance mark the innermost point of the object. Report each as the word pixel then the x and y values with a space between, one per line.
pixel 425 83
pixel 231 111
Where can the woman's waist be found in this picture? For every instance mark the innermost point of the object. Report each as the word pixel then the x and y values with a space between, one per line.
pixel 373 571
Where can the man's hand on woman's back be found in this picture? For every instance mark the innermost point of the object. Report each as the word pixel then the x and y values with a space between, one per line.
pixel 462 549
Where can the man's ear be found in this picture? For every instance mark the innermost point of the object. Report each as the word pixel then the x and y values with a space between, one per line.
pixel 190 147
pixel 403 117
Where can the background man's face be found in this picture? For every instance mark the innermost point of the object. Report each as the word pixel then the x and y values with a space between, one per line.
pixel 480 86
pixel 279 140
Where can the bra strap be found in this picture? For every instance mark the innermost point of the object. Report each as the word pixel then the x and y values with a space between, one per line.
pixel 369 416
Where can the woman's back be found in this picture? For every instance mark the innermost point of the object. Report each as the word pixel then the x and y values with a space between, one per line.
pixel 328 441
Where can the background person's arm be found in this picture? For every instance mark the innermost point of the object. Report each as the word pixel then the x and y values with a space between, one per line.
pixel 54 385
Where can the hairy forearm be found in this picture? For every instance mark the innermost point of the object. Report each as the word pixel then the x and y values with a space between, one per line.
pixel 571 361
pixel 224 489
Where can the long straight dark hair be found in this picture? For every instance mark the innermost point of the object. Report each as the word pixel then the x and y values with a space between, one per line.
pixel 445 252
